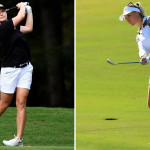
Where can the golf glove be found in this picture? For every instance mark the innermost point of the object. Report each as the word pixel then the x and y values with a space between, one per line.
pixel 28 9
pixel 148 59
pixel 25 3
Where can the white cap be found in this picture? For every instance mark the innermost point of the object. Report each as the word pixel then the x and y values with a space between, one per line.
pixel 128 10
pixel 2 6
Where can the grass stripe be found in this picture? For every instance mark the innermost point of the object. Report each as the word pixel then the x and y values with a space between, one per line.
pixel 96 18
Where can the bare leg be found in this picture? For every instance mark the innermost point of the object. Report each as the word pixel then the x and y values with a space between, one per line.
pixel 21 99
pixel 5 101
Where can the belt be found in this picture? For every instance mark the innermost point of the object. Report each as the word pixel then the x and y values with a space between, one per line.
pixel 21 65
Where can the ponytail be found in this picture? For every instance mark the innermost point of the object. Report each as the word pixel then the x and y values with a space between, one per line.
pixel 138 5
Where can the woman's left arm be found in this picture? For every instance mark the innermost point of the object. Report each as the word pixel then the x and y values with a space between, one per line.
pixel 29 22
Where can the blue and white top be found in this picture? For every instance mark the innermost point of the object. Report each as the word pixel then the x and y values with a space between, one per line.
pixel 143 37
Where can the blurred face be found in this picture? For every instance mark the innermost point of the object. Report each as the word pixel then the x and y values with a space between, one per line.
pixel 132 18
pixel 3 15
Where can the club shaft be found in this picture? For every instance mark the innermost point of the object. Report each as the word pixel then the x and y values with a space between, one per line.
pixel 11 8
pixel 130 62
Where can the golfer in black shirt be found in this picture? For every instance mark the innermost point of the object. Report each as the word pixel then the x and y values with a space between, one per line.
pixel 16 69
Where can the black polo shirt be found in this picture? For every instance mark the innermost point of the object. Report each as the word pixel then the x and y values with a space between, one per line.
pixel 15 48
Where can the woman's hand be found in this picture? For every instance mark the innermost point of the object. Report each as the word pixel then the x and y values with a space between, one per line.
pixel 144 60
pixel 20 5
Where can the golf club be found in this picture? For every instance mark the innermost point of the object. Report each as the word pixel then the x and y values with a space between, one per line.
pixel 112 63
pixel 15 7
pixel 11 8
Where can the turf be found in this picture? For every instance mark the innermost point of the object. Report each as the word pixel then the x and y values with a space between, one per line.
pixel 46 128
pixel 107 91
pixel 38 148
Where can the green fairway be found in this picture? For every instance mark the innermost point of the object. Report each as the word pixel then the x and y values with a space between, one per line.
pixel 38 148
pixel 46 128
pixel 107 91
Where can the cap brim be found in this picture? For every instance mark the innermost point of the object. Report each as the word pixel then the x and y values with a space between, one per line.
pixel 2 7
pixel 122 18
pixel 128 10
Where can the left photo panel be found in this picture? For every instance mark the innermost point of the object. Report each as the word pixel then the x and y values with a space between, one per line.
pixel 37 91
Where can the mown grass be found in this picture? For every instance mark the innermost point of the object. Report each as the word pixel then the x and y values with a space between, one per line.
pixel 46 128
pixel 107 91
pixel 38 148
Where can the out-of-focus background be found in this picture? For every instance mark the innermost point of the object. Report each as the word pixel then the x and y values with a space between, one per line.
pixel 52 52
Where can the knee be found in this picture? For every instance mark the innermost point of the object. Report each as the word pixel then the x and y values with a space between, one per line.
pixel 5 101
pixel 4 106
pixel 21 104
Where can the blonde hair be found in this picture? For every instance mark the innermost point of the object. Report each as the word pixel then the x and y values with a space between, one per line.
pixel 139 6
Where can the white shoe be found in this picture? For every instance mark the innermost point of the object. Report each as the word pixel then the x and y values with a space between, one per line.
pixel 14 142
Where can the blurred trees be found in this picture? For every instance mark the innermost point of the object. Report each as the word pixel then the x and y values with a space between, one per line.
pixel 52 52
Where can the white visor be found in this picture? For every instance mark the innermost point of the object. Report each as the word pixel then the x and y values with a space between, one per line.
pixel 128 10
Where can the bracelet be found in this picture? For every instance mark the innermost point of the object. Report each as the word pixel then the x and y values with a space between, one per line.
pixel 29 11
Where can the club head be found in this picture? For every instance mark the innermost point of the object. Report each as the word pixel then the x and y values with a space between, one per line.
pixel 111 62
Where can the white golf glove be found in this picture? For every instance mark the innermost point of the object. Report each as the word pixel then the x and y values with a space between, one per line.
pixel 148 59
pixel 25 3
pixel 28 9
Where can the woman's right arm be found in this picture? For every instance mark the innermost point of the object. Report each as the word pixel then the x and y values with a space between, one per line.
pixel 21 14
pixel 142 50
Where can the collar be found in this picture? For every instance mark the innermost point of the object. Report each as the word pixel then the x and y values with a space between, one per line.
pixel 143 25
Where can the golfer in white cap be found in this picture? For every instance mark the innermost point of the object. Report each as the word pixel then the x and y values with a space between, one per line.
pixel 135 15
